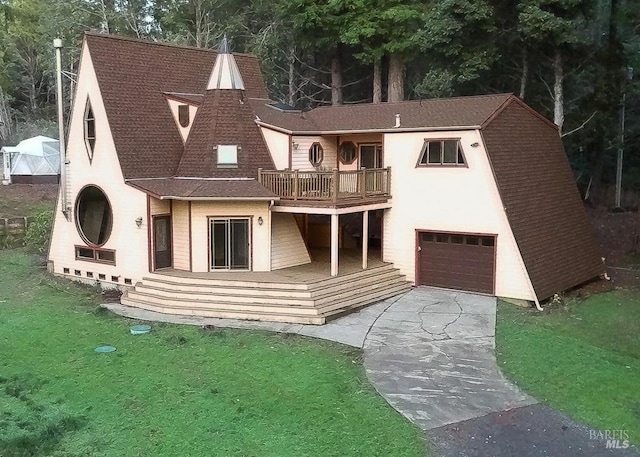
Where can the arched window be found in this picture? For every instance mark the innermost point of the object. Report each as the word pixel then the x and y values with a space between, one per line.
pixel 89 130
pixel 183 115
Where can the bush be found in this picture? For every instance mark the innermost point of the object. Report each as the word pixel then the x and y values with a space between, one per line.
pixel 39 232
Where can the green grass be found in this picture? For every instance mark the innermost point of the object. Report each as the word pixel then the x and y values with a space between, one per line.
pixel 178 391
pixel 582 358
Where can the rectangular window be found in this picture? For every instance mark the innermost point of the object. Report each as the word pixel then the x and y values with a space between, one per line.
pixel 230 244
pixel 96 255
pixel 227 155
pixel 441 152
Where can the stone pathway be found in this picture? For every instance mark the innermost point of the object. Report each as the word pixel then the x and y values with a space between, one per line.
pixel 431 355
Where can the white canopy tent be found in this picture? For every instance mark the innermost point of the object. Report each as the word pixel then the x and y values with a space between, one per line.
pixel 34 160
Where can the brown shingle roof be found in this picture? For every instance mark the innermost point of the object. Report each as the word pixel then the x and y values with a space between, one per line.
pixel 133 76
pixel 541 200
pixel 459 112
pixel 224 118
pixel 203 188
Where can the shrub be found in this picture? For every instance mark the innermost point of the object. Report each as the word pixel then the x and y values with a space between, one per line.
pixel 39 232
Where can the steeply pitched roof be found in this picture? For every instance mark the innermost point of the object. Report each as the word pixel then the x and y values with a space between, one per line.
pixel 224 118
pixel 211 189
pixel 459 112
pixel 133 76
pixel 541 199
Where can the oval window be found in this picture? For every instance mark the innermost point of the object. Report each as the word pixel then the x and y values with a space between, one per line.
pixel 347 152
pixel 93 216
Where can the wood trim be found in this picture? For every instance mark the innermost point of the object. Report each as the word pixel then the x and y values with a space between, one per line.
pixel 190 240
pixel 290 152
pixel 173 252
pixel 416 273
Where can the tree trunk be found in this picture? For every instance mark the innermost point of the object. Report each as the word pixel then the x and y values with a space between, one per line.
pixel 377 81
pixel 291 81
pixel 396 78
pixel 525 73
pixel 558 90
pixel 336 78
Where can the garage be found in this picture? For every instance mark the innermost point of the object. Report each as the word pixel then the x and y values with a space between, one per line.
pixel 456 261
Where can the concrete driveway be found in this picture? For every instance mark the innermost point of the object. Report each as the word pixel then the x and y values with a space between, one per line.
pixel 431 355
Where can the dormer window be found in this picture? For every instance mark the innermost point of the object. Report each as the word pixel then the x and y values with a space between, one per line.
pixel 316 154
pixel 442 152
pixel 183 115
pixel 227 155
pixel 89 130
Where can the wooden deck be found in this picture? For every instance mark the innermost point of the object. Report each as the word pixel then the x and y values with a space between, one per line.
pixel 328 188
pixel 318 270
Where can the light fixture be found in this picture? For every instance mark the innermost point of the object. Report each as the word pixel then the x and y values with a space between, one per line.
pixel 475 145
pixel 260 221
pixel 139 222
pixel 294 145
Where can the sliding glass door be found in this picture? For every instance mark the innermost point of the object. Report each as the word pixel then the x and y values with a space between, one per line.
pixel 229 243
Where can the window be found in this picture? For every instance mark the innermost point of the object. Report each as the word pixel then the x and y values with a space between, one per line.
pixel 93 216
pixel 183 115
pixel 370 156
pixel 441 152
pixel 96 255
pixel 347 152
pixel 227 155
pixel 316 154
pixel 89 130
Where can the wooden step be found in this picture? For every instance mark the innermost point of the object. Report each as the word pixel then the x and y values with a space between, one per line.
pixel 225 314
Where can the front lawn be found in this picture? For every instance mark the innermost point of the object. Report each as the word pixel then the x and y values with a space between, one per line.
pixel 178 391
pixel 582 358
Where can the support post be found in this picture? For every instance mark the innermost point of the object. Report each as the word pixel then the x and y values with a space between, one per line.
pixel 335 184
pixel 365 239
pixel 296 182
pixel 334 244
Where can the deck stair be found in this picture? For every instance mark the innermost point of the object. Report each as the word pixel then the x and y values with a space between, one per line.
pixel 310 302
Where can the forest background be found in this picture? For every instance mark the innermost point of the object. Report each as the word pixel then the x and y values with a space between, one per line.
pixel 572 60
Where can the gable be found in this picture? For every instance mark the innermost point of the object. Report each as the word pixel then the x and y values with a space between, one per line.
pixel 133 75
pixel 541 200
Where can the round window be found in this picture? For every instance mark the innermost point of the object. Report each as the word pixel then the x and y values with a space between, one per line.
pixel 347 152
pixel 93 216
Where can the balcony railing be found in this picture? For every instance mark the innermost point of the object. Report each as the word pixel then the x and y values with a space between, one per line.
pixel 328 186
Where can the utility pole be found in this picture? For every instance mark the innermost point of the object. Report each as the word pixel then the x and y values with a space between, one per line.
pixel 620 159
pixel 57 44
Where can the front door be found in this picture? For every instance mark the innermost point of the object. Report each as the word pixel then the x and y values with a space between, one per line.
pixel 162 241
pixel 229 243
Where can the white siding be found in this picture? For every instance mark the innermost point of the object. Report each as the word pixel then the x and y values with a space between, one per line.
pixel 287 246
pixel 260 234
pixel 157 206
pixel 300 154
pixel 127 204
pixel 278 144
pixel 180 233
pixel 456 199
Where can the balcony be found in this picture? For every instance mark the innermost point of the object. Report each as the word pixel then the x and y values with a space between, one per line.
pixel 328 188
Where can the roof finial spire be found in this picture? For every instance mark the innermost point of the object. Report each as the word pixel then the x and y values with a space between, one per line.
pixel 225 74
pixel 224 45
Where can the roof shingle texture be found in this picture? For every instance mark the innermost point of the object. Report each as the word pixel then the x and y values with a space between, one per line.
pixel 133 76
pixel 456 112
pixel 200 188
pixel 541 200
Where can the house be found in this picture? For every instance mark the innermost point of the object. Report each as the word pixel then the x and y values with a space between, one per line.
pixel 189 187
pixel 33 161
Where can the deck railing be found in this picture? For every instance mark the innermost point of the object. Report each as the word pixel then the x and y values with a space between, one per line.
pixel 327 186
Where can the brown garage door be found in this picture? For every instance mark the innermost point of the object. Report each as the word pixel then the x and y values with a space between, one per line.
pixel 457 261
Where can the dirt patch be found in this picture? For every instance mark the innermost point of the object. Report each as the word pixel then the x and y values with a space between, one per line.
pixel 19 200
pixel 618 235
